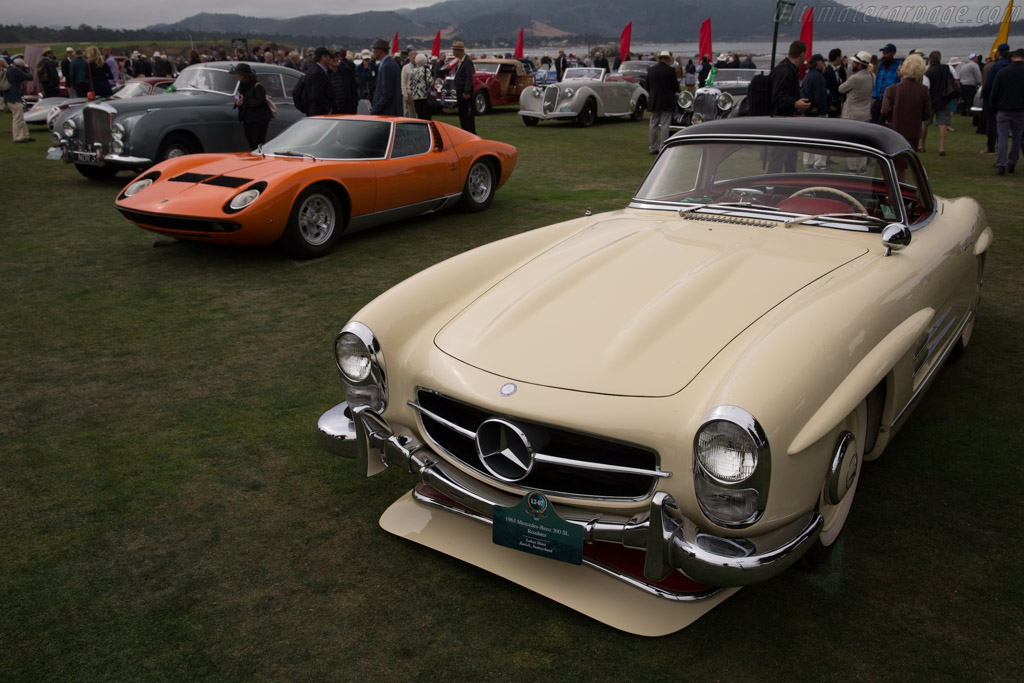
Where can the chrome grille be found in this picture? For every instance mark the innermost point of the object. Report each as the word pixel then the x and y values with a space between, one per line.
pixel 97 129
pixel 706 104
pixel 574 464
pixel 550 99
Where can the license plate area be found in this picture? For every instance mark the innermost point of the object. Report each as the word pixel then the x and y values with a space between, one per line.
pixel 533 526
pixel 91 158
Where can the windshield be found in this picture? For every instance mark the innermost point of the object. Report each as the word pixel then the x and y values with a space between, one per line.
pixel 199 78
pixel 635 67
pixel 486 68
pixel 129 90
pixel 333 139
pixel 582 74
pixel 794 179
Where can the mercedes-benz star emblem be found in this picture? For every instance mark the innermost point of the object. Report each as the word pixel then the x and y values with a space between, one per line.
pixel 504 450
pixel 507 389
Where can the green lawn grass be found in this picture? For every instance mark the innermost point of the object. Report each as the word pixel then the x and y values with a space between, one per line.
pixel 165 512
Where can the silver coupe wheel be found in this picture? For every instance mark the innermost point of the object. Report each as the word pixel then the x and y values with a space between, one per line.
pixel 480 184
pixel 315 224
pixel 317 219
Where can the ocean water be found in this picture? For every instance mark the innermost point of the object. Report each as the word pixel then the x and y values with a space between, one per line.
pixel 762 50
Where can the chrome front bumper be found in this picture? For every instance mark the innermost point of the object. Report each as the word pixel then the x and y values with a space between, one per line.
pixel 98 158
pixel 670 540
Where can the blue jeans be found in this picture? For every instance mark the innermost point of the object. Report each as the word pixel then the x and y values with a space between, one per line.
pixel 1007 121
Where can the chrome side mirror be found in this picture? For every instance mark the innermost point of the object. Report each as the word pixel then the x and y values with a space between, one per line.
pixel 895 236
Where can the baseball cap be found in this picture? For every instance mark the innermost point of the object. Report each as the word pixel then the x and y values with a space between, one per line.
pixel 888 47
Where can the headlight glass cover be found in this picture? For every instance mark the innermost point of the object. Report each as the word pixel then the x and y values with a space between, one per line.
pixel 137 186
pixel 69 128
pixel 117 131
pixel 685 99
pixel 353 357
pixel 244 199
pixel 725 101
pixel 726 451
pixel 361 362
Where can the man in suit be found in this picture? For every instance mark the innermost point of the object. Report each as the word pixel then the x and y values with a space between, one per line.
pixel 464 86
pixel 561 64
pixel 387 94
pixel 318 84
pixel 663 86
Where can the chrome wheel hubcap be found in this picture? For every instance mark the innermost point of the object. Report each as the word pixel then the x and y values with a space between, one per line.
pixel 316 219
pixel 479 183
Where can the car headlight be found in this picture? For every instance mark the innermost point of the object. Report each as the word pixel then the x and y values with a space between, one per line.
pixel 137 186
pixel 117 146
pixel 732 467
pixel 361 362
pixel 244 199
pixel 568 92
pixel 536 91
pixel 55 138
pixel 725 101
pixel 697 118
pixel 685 99
pixel 117 131
pixel 69 128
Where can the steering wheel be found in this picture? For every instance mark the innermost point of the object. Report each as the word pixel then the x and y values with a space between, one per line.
pixel 845 195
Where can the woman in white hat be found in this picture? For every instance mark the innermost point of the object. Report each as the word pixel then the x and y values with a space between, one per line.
pixel 857 107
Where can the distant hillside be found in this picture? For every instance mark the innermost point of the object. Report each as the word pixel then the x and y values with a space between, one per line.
pixel 544 21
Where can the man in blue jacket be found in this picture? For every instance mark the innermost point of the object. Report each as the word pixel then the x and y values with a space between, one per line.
pixel 1008 103
pixel 17 73
pixel 888 74
pixel 387 95
pixel 815 91
pixel 1003 60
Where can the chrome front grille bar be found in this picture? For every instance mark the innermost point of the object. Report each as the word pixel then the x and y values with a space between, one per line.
pixel 541 457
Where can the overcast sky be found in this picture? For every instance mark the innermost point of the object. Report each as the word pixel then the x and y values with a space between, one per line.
pixel 135 14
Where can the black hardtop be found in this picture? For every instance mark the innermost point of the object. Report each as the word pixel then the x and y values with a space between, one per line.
pixel 878 137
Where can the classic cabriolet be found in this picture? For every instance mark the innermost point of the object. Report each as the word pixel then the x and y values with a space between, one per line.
pixel 324 176
pixel 722 97
pixel 198 116
pixel 496 83
pixel 636 413
pixel 584 94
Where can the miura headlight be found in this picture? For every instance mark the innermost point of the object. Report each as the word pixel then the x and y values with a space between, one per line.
pixel 137 186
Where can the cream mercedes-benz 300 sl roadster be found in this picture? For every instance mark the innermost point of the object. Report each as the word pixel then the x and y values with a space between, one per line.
pixel 636 413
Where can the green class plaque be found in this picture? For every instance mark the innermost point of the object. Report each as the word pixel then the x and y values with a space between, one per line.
pixel 533 526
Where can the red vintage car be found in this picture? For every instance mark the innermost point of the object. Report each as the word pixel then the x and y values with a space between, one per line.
pixel 496 83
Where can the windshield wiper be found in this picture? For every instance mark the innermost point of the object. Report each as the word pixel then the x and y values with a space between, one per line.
pixel 293 153
pixel 854 216
pixel 744 205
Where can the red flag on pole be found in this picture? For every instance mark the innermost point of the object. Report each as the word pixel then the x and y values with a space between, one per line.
pixel 807 36
pixel 627 33
pixel 705 40
pixel 436 50
pixel 394 44
pixel 519 44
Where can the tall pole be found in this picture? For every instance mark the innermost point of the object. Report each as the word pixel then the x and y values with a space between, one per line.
pixel 783 15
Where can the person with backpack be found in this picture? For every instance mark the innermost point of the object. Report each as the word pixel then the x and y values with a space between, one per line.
pixel 46 72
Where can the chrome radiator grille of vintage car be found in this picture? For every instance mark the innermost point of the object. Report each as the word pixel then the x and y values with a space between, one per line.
pixel 550 100
pixel 97 128
pixel 706 104
pixel 564 463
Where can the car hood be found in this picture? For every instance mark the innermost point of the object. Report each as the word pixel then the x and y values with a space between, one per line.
pixel 187 98
pixel 636 307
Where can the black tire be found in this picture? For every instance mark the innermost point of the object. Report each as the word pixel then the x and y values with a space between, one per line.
pixel 96 172
pixel 638 110
pixel 481 182
pixel 481 103
pixel 177 145
pixel 587 115
pixel 315 223
pixel 531 120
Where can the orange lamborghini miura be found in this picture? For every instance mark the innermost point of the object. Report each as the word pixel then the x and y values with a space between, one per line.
pixel 322 177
